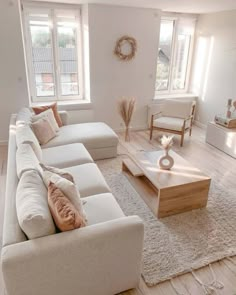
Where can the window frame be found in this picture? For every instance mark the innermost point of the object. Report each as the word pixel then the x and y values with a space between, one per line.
pixel 176 20
pixel 28 7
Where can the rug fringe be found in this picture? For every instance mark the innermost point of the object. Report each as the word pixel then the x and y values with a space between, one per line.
pixel 207 288
pixel 215 283
pixel 211 287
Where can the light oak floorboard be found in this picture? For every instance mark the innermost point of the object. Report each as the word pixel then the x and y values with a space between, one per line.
pixel 219 166
pixel 216 164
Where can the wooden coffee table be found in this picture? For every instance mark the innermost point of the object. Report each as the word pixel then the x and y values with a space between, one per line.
pixel 183 188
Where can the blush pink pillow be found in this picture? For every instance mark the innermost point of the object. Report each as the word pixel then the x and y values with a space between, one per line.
pixel 65 215
pixel 43 130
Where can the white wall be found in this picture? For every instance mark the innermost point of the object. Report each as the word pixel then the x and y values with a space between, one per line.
pixel 214 72
pixel 13 86
pixel 111 78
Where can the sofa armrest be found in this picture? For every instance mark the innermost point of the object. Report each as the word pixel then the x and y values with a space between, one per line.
pixel 101 259
pixel 64 117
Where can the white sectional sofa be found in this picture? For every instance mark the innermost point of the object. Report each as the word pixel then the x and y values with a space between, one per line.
pixel 103 258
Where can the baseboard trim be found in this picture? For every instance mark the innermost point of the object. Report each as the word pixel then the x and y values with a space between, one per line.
pixel 200 125
pixel 135 128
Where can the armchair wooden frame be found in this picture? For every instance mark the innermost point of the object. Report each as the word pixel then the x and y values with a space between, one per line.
pixel 181 132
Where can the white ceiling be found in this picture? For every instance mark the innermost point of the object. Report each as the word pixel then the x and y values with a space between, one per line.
pixel 188 6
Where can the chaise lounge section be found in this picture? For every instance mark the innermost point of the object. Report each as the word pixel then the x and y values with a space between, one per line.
pixel 103 258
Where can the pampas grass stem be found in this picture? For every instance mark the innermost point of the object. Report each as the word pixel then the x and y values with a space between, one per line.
pixel 126 109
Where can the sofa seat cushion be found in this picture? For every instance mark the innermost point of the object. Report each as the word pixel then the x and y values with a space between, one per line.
pixel 66 155
pixel 92 135
pixel 101 208
pixel 88 179
pixel 170 123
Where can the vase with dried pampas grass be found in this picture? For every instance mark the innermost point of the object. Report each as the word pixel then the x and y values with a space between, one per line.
pixel 126 108
pixel 166 162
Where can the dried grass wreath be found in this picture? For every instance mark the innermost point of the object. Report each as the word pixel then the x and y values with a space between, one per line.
pixel 118 49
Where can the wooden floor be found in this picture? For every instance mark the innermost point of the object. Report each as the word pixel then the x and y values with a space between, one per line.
pixel 217 165
pixel 221 168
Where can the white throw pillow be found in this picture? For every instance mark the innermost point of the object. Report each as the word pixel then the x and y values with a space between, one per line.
pixel 67 187
pixel 26 160
pixel 61 172
pixel 24 134
pixel 48 114
pixel 43 130
pixel 32 206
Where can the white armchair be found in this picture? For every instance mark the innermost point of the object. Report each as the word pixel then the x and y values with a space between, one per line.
pixel 176 117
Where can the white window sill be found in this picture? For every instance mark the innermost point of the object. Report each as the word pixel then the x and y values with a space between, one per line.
pixel 70 105
pixel 174 96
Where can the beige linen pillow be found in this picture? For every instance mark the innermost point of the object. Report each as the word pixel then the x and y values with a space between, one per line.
pixel 40 109
pixel 64 213
pixel 50 116
pixel 43 130
pixel 32 206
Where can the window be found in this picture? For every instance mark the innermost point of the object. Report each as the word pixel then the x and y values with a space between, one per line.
pixel 53 52
pixel 174 55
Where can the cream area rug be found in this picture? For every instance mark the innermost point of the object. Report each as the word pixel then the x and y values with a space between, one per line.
pixel 180 243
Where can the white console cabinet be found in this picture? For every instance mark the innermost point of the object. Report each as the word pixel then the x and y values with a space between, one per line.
pixel 222 138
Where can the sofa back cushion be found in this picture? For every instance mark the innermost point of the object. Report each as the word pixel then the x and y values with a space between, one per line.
pixel 23 117
pixel 32 206
pixel 26 160
pixel 64 213
pixel 177 109
pixel 12 232
pixel 24 134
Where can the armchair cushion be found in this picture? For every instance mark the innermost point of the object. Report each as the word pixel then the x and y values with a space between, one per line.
pixel 177 109
pixel 170 123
